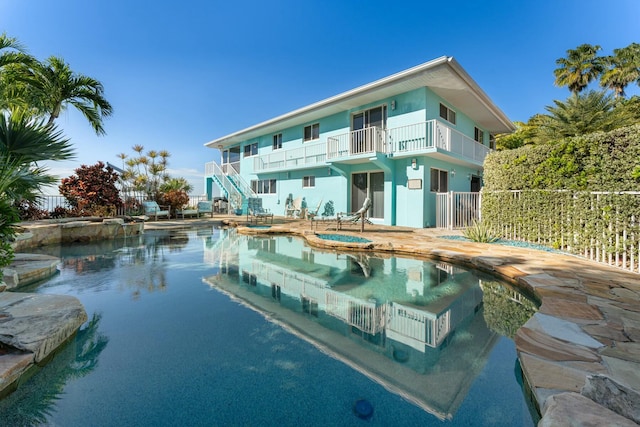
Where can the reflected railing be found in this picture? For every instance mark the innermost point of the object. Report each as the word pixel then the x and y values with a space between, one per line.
pixel 425 318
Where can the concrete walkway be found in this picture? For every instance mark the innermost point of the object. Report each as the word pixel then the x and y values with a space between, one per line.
pixel 580 353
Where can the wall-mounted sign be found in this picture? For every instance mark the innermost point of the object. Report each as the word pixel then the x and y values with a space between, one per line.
pixel 414 184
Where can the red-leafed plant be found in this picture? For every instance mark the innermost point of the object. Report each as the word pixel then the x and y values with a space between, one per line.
pixel 92 190
pixel 177 199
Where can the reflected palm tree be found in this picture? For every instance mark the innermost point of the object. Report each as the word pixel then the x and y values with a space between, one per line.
pixel 33 401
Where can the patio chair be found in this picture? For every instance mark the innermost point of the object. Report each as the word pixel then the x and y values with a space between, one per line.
pixel 205 207
pixel 293 210
pixel 152 209
pixel 256 212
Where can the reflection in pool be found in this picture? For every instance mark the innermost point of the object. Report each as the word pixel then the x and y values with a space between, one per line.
pixel 417 325
pixel 162 349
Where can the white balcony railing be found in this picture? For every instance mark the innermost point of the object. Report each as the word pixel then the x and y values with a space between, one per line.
pixel 307 155
pixel 407 140
pixel 361 141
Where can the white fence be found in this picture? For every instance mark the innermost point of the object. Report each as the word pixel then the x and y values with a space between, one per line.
pixel 601 226
pixel 50 202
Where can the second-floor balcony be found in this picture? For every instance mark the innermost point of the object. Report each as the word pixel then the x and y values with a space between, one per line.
pixel 415 139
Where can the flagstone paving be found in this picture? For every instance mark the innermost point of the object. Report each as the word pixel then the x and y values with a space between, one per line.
pixel 588 322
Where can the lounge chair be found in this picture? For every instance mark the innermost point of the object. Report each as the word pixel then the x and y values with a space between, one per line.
pixel 354 217
pixel 186 212
pixel 205 207
pixel 313 213
pixel 152 209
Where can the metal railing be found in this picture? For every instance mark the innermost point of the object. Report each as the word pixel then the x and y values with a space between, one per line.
pixel 49 202
pixel 361 141
pixel 413 139
pixel 307 155
pixel 238 180
pixel 233 195
pixel 457 209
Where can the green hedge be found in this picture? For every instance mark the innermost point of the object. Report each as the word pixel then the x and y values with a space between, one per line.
pixel 596 162
pixel 581 195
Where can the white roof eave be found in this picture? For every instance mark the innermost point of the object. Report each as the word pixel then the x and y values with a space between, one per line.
pixel 443 75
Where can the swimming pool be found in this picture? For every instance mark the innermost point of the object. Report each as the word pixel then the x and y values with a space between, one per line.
pixel 209 327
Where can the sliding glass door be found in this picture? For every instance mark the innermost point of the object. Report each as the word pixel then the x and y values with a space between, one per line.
pixel 368 184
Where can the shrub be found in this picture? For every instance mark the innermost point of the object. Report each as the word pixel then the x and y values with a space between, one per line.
pixel 29 211
pixel 328 209
pixel 479 232
pixel 59 212
pixel 176 199
pixel 92 191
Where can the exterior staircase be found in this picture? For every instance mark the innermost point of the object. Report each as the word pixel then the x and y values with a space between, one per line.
pixel 233 186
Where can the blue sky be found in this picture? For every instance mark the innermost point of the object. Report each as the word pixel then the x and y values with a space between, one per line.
pixel 180 74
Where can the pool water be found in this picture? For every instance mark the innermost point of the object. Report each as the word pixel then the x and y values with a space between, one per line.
pixel 209 327
pixel 343 238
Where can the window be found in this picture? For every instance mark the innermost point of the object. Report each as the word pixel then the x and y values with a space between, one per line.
pixel 308 181
pixel 312 132
pixel 492 141
pixel 263 186
pixel 277 141
pixel 447 114
pixel 251 149
pixel 439 181
pixel 478 135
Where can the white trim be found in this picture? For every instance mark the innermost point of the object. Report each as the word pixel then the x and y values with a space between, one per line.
pixel 423 75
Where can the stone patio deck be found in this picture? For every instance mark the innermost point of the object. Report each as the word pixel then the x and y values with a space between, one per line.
pixel 588 323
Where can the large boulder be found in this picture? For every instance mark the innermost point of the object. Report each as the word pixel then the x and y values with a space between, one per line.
pixel 574 410
pixel 38 323
pixel 613 395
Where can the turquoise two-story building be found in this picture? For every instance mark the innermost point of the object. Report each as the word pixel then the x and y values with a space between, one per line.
pixel 403 141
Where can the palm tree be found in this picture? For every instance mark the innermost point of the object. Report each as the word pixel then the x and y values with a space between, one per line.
pixel 55 86
pixel 624 68
pixel 580 114
pixel 12 51
pixel 23 142
pixel 13 57
pixel 579 68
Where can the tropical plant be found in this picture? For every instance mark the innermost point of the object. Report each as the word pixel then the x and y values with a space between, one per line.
pixel 328 209
pixel 176 199
pixel 52 85
pixel 13 56
pixel 623 69
pixel 92 190
pixel 24 142
pixel 580 114
pixel 523 135
pixel 480 232
pixel 176 184
pixel 146 172
pixel 579 68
